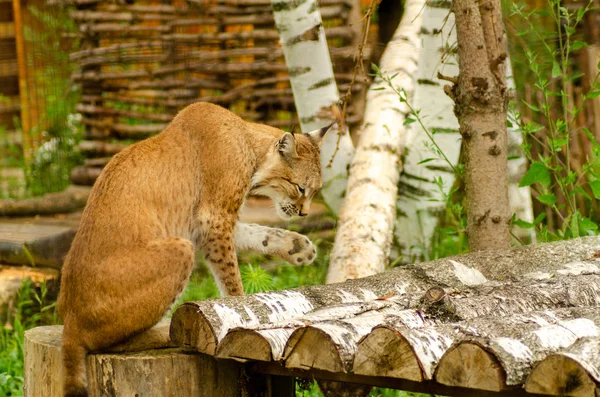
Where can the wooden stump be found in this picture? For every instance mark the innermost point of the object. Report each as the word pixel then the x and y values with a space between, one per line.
pixel 157 372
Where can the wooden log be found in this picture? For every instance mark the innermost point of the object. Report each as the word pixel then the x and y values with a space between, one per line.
pixel 34 245
pixel 85 175
pixel 337 341
pixel 106 111
pixel 98 148
pixel 124 130
pixel 369 207
pixel 574 371
pixel 334 11
pixel 97 162
pixel 268 343
pixel 203 325
pixel 401 349
pixel 68 200
pixel 159 372
pixel 338 329
pixel 497 354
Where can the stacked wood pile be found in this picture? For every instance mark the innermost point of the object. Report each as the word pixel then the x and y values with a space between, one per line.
pixel 515 323
pixel 140 62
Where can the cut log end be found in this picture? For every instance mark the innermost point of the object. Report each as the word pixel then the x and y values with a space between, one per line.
pixel 469 365
pixel 559 375
pixel 384 352
pixel 191 330
pixel 312 348
pixel 243 345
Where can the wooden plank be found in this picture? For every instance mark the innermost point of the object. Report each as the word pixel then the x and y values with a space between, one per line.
pixel 42 245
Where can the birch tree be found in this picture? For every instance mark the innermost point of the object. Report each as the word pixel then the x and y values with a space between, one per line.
pixel 313 84
pixel 366 221
pixel 480 95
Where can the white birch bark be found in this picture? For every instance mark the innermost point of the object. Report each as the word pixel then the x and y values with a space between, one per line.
pixel 313 84
pixel 366 221
pixel 421 201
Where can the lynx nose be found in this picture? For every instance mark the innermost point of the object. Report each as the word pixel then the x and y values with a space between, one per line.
pixel 300 213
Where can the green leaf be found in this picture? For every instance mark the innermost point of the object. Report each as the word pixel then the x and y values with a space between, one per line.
pixel 426 160
pixel 577 45
pixel 587 227
pixel 593 94
pixel 532 107
pixel 579 189
pixel 548 199
pixel 408 121
pixel 522 224
pixel 595 186
pixel 556 69
pixel 539 218
pixel 538 172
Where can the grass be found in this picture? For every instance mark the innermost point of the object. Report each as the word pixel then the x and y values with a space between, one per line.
pixel 33 307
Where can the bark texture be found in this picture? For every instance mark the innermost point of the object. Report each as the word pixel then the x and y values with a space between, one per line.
pixel 420 198
pixel 366 221
pixel 313 83
pixel 153 373
pixel 284 325
pixel 481 97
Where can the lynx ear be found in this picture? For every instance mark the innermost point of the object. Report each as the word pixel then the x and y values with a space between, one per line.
pixel 286 146
pixel 318 134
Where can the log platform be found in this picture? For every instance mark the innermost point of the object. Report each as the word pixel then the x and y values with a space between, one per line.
pixel 508 323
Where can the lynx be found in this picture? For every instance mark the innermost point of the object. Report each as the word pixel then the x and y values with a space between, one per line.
pixel 158 201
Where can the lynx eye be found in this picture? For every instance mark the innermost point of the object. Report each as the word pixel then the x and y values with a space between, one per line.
pixel 301 190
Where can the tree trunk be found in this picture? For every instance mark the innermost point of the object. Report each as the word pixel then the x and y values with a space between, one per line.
pixel 481 99
pixel 420 199
pixel 313 84
pixel 370 205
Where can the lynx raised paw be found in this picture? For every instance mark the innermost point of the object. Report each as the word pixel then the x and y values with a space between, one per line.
pixel 297 249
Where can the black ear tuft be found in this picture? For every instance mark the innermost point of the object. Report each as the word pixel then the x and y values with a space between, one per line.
pixel 286 146
pixel 318 134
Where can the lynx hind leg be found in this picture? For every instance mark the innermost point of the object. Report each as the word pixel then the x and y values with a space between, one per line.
pixel 290 246
pixel 147 282
pixel 144 283
pixel 222 259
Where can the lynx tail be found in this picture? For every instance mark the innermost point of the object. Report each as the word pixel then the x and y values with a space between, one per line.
pixel 74 370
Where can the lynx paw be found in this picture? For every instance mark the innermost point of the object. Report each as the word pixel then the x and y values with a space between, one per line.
pixel 298 250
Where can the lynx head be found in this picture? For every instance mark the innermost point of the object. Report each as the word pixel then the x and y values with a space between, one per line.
pixel 291 172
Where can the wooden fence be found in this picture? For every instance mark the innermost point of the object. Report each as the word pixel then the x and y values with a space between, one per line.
pixel 142 61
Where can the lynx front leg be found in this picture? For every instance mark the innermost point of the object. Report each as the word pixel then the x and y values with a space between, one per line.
pixel 222 259
pixel 293 247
